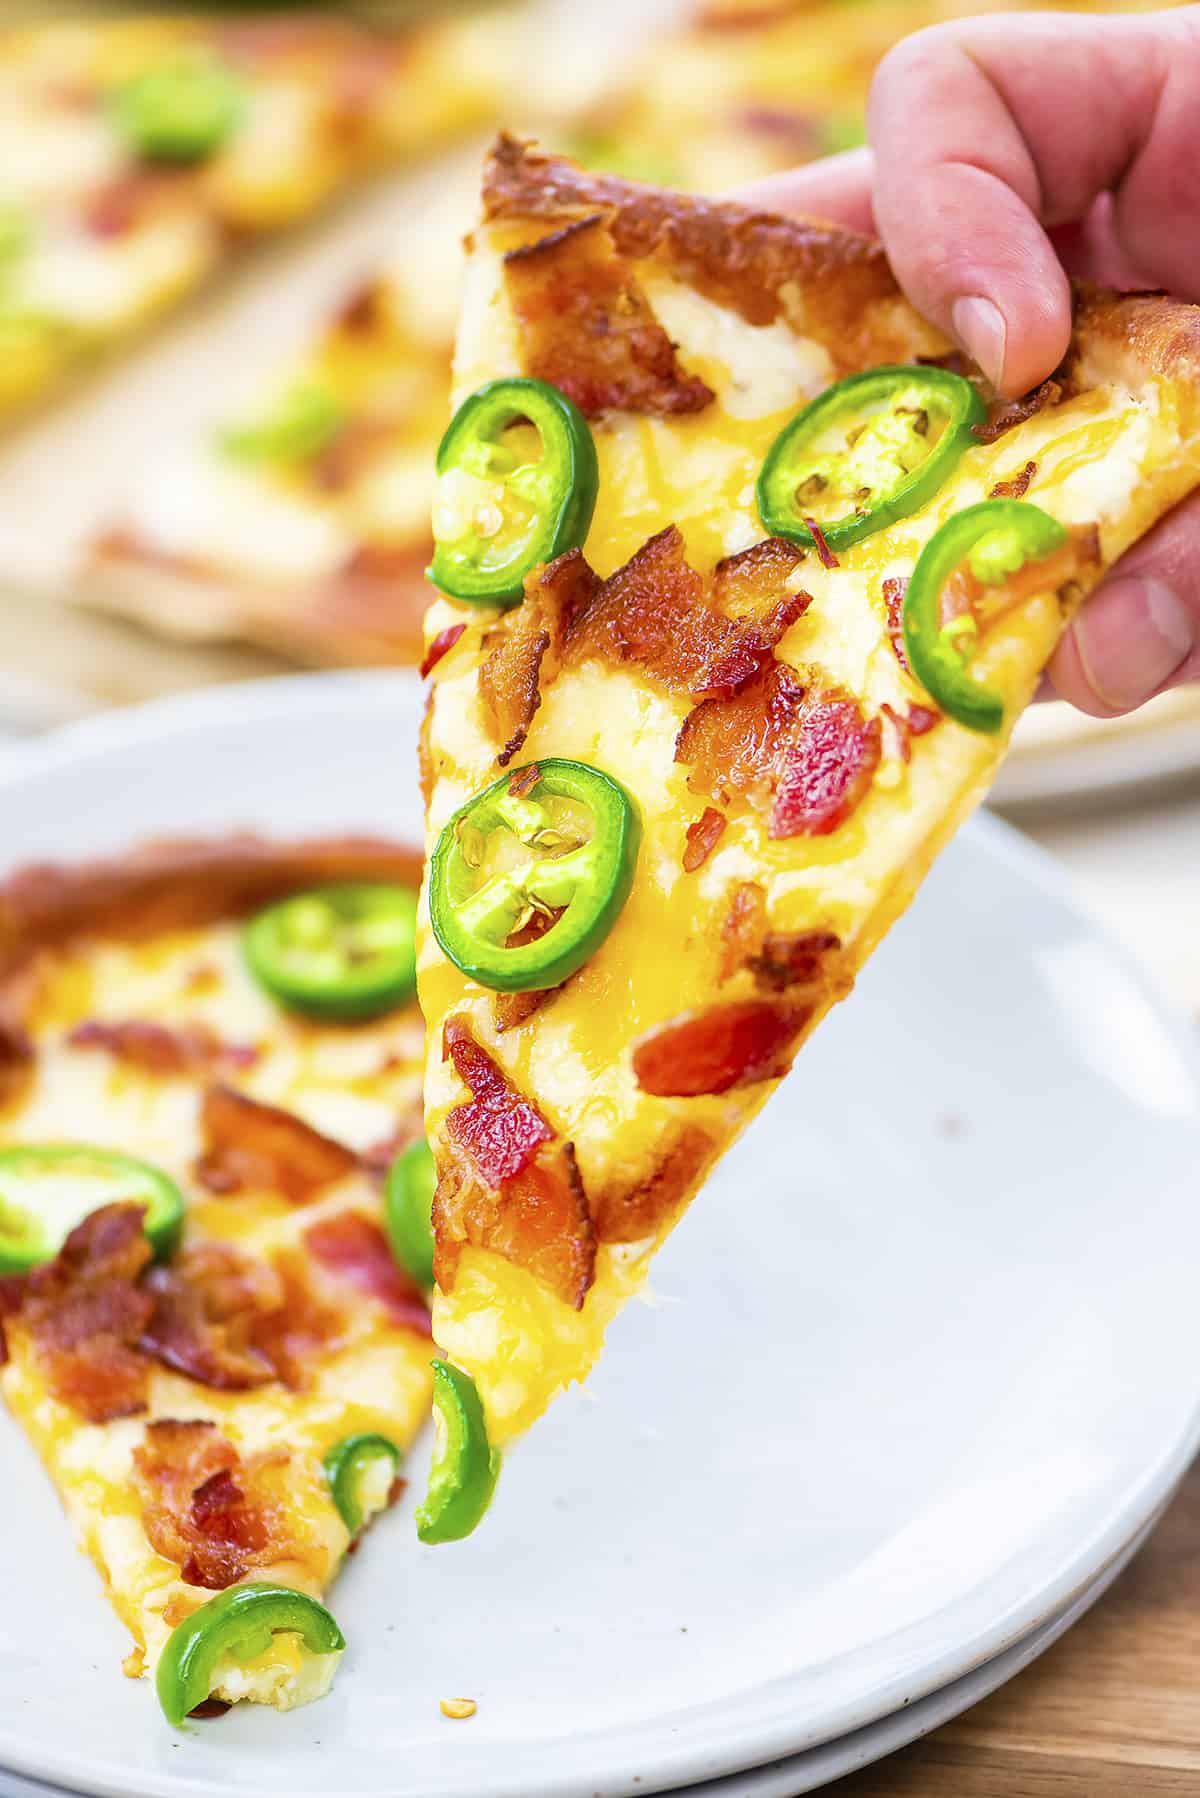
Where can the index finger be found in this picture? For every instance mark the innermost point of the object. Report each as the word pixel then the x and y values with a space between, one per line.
pixel 987 131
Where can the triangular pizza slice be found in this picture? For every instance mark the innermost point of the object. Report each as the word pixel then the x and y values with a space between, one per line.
pixel 745 579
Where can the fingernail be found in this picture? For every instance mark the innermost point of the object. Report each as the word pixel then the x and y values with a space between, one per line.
pixel 1131 638
pixel 980 328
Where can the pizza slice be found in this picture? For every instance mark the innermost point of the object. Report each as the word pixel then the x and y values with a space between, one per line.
pixel 745 579
pixel 209 1058
pixel 138 155
pixel 302 522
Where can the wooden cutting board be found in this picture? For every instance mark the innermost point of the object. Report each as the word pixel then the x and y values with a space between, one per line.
pixel 1111 1711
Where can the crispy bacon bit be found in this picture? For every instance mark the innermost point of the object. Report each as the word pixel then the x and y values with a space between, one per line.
pixel 921 719
pixel 499 1129
pixel 752 578
pixel 511 1010
pixel 206 1310
pixel 894 589
pixel 742 928
pixel 787 960
pixel 511 1187
pixel 426 772
pixel 84 1313
pixel 1004 414
pixel 251 1145
pixel 827 769
pixel 522 783
pixel 713 1051
pixel 703 835
pixel 900 728
pixel 539 1220
pixel 161 1048
pixel 654 612
pixel 631 1214
pixel 441 645
pixel 1018 487
pixel 588 329
pixel 355 1249
pixel 734 746
pixel 825 555
pixel 205 1509
pixel 509 687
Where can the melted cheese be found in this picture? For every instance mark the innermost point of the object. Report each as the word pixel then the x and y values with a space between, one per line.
pixel 353 1083
pixel 1114 457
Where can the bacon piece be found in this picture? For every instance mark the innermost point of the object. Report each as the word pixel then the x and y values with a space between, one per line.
pixel 206 1310
pixel 921 719
pixel 521 785
pixel 785 960
pixel 442 644
pixel 712 1051
pixel 538 1219
pixel 752 578
pixel 511 1010
pixel 526 644
pixel 633 1213
pixel 84 1313
pixel 355 1250
pixel 510 1187
pixel 587 328
pixel 703 835
pixel 161 1048
pixel 894 589
pixel 251 1145
pixel 825 555
pixel 734 746
pixel 827 770
pixel 206 1509
pixel 742 928
pixel 426 771
pixel 1018 487
pixel 500 1130
pixel 654 612
pixel 1004 414
pixel 915 721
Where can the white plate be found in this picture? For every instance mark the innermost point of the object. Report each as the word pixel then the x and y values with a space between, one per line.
pixel 922 1367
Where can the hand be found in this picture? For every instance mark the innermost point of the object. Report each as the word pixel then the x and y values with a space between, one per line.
pixel 1006 153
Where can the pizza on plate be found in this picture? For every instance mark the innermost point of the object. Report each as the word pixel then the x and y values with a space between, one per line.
pixel 745 578
pixel 210 1059
pixel 138 154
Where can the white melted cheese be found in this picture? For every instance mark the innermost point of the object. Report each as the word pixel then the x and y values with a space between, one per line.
pixel 766 367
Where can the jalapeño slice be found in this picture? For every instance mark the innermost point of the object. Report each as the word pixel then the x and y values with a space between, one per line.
pixel 48 1188
pixel 465 1466
pixel 341 952
pixel 361 1471
pixel 869 450
pixel 980 547
pixel 502 508
pixel 520 922
pixel 236 1627
pixel 408 1207
pixel 179 111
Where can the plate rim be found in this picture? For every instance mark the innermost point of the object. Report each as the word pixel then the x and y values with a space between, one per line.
pixel 779 1739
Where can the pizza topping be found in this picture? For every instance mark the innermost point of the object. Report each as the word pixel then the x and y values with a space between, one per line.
pixel 869 450
pixel 179 111
pixel 803 759
pixel 899 729
pixel 465 1467
pixel 84 1313
pixel 162 1049
pixel 442 644
pixel 236 1625
pixel 517 484
pixel 362 1473
pixel 355 1251
pixel 894 589
pixel 509 677
pixel 499 1129
pixel 339 953
pixel 786 960
pixel 580 832
pixel 981 562
pixel 303 423
pixel 742 928
pixel 1018 486
pixel 203 1508
pixel 1005 414
pixel 726 1046
pixel 207 1312
pixel 633 1214
pixel 408 1208
pixel 251 1146
pixel 703 835
pixel 587 327
pixel 47 1189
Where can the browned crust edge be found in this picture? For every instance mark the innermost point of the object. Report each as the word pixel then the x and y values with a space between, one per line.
pixel 179 882
pixel 1127 336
